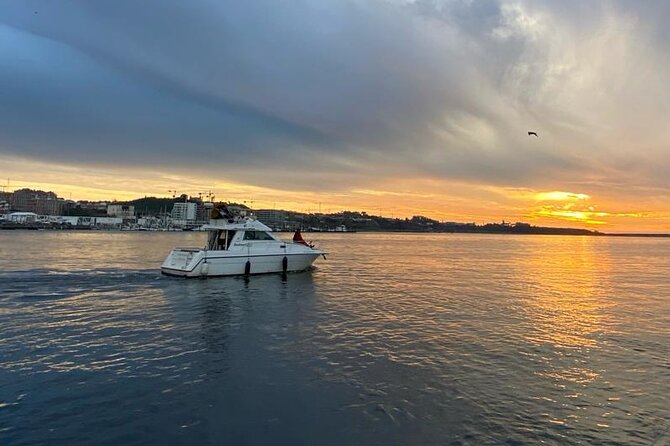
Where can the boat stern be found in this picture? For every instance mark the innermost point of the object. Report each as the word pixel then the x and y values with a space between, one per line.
pixel 183 262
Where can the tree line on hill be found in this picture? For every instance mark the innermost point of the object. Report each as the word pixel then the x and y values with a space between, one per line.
pixel 361 221
pixel 353 221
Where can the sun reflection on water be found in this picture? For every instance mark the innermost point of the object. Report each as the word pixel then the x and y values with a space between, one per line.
pixel 568 312
pixel 568 282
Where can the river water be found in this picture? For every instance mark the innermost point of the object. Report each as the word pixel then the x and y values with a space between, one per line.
pixel 394 339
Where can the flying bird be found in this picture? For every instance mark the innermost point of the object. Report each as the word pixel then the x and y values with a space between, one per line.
pixel 532 133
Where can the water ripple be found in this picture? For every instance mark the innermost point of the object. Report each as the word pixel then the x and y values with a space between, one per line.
pixel 396 339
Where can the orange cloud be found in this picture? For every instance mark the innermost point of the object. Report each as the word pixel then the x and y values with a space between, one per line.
pixel 578 213
pixel 394 197
pixel 560 196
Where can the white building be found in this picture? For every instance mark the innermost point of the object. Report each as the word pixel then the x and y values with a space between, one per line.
pixel 22 217
pixel 184 213
pixel 108 222
pixel 120 210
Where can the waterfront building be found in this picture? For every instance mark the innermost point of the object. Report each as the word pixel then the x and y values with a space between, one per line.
pixel 36 201
pixel 203 212
pixel 107 222
pixel 120 210
pixel 5 202
pixel 184 213
pixel 277 220
pixel 22 217
pixel 5 207
pixel 94 206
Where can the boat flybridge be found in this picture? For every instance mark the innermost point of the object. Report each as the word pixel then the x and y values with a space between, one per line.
pixel 240 246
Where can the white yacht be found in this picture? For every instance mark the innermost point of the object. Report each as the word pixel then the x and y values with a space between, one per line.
pixel 240 246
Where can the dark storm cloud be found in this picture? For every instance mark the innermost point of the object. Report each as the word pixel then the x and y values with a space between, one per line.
pixel 347 90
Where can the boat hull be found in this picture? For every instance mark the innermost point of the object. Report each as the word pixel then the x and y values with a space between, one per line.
pixel 209 264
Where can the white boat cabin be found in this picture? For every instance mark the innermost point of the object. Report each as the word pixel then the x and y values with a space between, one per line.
pixel 223 239
pixel 224 235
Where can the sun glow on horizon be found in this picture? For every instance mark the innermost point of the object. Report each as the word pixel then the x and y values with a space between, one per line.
pixel 560 196
pixel 396 198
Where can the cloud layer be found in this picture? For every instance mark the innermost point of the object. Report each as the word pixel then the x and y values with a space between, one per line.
pixel 333 95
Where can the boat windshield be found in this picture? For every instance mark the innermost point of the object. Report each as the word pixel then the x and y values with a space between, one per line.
pixel 257 235
pixel 220 240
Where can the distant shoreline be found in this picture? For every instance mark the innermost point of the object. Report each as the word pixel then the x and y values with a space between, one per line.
pixel 639 235
pixel 537 230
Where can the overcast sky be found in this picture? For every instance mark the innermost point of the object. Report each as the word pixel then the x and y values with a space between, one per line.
pixel 342 98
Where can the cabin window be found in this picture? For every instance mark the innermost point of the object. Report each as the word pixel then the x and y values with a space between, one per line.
pixel 231 234
pixel 221 243
pixel 257 235
pixel 220 240
pixel 212 240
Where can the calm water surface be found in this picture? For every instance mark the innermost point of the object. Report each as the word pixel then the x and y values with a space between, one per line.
pixel 395 339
